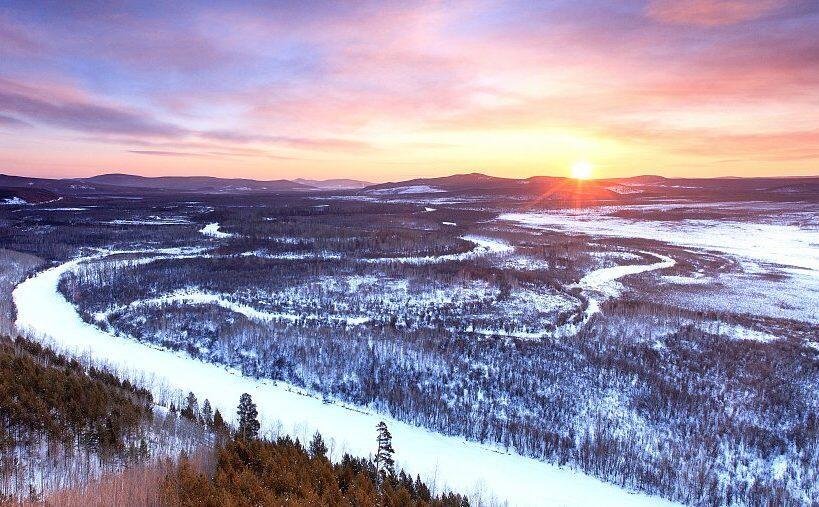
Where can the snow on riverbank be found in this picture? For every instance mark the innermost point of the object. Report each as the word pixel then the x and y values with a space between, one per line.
pixel 450 461
pixel 603 282
pixel 212 230
pixel 483 246
pixel 198 297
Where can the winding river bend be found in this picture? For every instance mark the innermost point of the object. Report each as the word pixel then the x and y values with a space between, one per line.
pixel 449 462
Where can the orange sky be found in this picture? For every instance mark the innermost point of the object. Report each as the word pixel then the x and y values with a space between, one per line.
pixel 389 91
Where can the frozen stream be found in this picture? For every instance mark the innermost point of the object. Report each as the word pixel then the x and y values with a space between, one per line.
pixel 43 313
pixel 603 279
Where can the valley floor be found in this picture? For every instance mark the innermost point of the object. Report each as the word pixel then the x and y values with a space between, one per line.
pixel 448 462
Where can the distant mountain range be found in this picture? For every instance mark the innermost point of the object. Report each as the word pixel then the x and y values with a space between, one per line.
pixel 130 183
pixel 40 189
pixel 559 187
pixel 334 184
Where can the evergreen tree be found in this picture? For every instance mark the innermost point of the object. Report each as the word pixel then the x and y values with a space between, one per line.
pixel 143 449
pixel 248 418
pixel 191 410
pixel 317 446
pixel 384 462
pixel 207 414
pixel 219 425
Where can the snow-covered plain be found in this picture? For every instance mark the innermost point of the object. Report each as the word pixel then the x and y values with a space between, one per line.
pixel 790 244
pixel 447 461
pixel 776 246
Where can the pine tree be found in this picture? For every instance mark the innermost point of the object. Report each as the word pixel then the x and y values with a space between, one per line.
pixel 248 418
pixel 384 462
pixel 317 446
pixel 207 414
pixel 191 410
pixel 143 449
pixel 219 425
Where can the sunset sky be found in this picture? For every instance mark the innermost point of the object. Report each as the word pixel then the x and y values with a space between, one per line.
pixel 388 91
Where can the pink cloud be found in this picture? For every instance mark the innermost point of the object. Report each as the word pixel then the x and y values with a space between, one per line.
pixel 710 12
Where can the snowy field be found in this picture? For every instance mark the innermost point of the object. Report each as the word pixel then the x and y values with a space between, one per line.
pixel 790 241
pixel 777 246
pixel 448 462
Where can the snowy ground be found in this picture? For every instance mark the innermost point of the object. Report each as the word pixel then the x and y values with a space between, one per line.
pixel 776 246
pixel 483 246
pixel 212 230
pixel 446 461
pixel 792 241
pixel 198 297
pixel 604 280
pixel 13 201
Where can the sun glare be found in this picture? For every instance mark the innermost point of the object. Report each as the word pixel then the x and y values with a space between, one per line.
pixel 582 170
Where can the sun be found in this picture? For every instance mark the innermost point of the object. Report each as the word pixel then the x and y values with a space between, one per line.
pixel 582 170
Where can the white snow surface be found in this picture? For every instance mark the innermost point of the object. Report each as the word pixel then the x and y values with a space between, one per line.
pixel 14 201
pixel 764 238
pixel 65 209
pixel 291 256
pixel 213 231
pixel 483 246
pixel 453 462
pixel 791 244
pixel 697 279
pixel 603 279
pixel 153 221
pixel 198 297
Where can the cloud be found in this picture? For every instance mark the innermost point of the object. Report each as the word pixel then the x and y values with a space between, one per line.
pixel 40 106
pixel 159 153
pixel 9 121
pixel 332 144
pixel 15 41
pixel 710 12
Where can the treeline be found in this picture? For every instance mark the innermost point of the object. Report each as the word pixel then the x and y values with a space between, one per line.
pixel 282 472
pixel 356 229
pixel 58 415
pixel 45 395
pixel 242 469
pixel 63 424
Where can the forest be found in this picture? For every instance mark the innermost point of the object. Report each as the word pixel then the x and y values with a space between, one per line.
pixel 57 415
